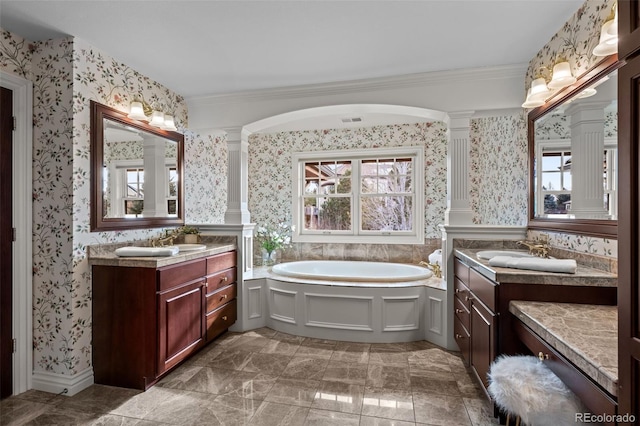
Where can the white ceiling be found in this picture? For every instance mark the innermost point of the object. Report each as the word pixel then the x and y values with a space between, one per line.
pixel 201 48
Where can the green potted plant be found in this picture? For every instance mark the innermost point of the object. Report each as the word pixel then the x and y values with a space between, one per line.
pixel 191 234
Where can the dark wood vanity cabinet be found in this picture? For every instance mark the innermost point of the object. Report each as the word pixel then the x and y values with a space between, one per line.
pixel 148 320
pixel 475 319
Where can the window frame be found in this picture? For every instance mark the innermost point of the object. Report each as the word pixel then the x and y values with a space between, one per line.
pixel 355 235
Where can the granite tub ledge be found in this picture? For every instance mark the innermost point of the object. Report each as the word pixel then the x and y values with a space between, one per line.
pixel 99 255
pixel 584 276
pixel 587 335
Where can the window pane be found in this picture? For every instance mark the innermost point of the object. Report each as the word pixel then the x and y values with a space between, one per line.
pixel 551 181
pixel 133 206
pixel 557 204
pixel 310 212
pixel 171 206
pixel 369 185
pixel 344 185
pixel 393 213
pixel 311 186
pixel 173 183
pixel 335 214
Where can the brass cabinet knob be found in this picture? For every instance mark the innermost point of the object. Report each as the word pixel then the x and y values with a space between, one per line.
pixel 224 318
pixel 459 311
pixel 542 356
pixel 458 290
pixel 224 279
pixel 224 296
pixel 459 336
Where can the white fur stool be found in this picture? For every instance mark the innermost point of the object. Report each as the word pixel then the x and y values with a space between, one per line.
pixel 525 387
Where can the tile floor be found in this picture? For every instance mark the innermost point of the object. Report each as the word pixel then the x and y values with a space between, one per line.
pixel 264 378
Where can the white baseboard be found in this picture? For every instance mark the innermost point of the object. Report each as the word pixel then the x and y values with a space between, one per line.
pixel 57 383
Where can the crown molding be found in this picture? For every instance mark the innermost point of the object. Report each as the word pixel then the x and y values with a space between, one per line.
pixel 436 78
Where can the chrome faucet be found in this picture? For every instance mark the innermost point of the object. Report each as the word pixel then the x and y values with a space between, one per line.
pixel 538 247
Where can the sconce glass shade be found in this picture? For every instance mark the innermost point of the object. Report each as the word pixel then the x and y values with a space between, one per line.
pixel 157 119
pixel 613 29
pixel 168 123
pixel 530 103
pixel 137 111
pixel 588 92
pixel 539 90
pixel 562 76
pixel 608 42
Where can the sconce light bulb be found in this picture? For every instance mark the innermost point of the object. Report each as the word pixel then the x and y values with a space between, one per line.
pixel 137 111
pixel 168 123
pixel 157 119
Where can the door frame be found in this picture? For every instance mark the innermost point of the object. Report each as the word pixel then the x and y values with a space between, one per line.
pixel 22 327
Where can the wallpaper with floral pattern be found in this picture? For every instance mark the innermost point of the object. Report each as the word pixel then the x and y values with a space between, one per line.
pixel 270 165
pixel 499 170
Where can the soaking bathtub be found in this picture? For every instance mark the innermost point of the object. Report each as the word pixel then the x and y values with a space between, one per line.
pixel 372 302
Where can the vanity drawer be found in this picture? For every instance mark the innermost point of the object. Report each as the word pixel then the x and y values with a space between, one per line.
pixel 220 297
pixel 221 319
pixel 462 339
pixel 221 279
pixel 462 292
pixel 221 261
pixel 461 312
pixel 483 289
pixel 461 270
pixel 171 276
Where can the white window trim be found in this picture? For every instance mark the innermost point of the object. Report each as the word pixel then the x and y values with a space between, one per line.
pixel 413 237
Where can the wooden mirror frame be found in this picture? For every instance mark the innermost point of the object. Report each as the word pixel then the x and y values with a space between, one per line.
pixel 592 227
pixel 97 221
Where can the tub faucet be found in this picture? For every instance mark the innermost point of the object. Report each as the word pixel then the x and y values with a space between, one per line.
pixel 538 247
pixel 435 268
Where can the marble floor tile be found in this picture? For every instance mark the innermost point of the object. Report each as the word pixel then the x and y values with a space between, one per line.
pixel 388 403
pixel 280 347
pixel 331 418
pixel 233 359
pixel 378 421
pixel 299 392
pixel 272 414
pixel 315 350
pixel 388 376
pixel 248 385
pixel 336 396
pixel 440 410
pixel 305 368
pixel 349 373
pixel 263 377
pixel 272 364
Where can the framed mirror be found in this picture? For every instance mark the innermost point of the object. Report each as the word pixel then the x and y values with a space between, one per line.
pixel 573 157
pixel 136 173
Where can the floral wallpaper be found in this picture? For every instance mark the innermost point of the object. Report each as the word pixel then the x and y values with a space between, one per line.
pixel 205 177
pixel 556 126
pixel 579 243
pixel 16 54
pixel 270 165
pixel 498 172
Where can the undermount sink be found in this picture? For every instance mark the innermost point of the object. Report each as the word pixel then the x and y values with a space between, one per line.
pixel 488 254
pixel 191 247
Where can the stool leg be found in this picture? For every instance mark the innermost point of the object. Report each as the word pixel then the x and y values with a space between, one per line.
pixel 518 421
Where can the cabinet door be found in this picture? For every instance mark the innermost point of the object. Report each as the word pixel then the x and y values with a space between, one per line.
pixel 483 344
pixel 628 28
pixel 181 323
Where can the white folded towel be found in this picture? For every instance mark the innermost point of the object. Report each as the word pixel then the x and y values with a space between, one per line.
pixel 567 266
pixel 147 251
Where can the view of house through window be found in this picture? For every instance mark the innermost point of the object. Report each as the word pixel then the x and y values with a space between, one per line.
pixel 358 194
pixel 134 192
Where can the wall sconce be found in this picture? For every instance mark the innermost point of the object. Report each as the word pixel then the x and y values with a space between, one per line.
pixel 540 90
pixel 140 110
pixel 608 44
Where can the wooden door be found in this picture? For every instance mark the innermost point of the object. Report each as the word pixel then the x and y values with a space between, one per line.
pixel 483 342
pixel 6 242
pixel 181 316
pixel 629 237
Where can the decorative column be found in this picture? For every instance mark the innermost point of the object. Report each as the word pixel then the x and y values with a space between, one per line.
pixel 155 185
pixel 587 159
pixel 237 177
pixel 458 205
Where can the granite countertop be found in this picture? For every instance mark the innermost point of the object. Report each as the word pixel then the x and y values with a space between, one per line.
pixel 587 335
pixel 109 258
pixel 584 276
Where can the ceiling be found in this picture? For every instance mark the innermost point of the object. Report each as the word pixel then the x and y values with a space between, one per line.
pixel 208 47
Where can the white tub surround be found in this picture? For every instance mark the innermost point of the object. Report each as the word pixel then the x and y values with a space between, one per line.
pixel 350 311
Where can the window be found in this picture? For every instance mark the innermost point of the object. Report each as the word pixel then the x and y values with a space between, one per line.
pixel 364 196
